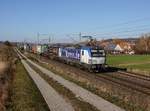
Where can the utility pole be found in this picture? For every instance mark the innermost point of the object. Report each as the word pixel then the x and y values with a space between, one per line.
pixel 80 37
pixel 49 39
pixel 38 37
pixel 24 41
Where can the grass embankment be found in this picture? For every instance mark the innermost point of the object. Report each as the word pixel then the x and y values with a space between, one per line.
pixel 87 84
pixel 77 103
pixel 141 62
pixel 7 67
pixel 25 95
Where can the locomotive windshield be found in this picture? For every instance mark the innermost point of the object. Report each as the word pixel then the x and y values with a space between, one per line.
pixel 97 53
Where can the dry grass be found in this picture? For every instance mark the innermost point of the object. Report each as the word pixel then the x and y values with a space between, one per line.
pixel 3 67
pixel 25 95
pixel 77 103
pixel 7 61
pixel 123 97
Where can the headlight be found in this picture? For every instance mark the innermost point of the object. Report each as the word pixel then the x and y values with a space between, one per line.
pixel 94 61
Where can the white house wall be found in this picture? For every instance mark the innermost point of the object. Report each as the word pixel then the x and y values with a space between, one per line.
pixel 118 48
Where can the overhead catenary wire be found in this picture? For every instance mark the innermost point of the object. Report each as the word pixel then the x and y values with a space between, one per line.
pixel 124 31
pixel 124 27
pixel 128 28
pixel 122 23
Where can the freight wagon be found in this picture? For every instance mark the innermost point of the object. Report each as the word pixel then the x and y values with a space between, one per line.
pixel 20 46
pixel 41 49
pixel 52 52
pixel 92 58
pixel 28 47
pixel 34 50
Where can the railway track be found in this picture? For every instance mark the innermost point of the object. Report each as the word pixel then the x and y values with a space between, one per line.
pixel 143 82
pixel 133 82
pixel 136 79
pixel 139 83
pixel 114 78
pixel 126 82
pixel 84 94
pixel 135 75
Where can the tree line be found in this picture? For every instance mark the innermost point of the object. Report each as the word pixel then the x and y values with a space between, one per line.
pixel 142 46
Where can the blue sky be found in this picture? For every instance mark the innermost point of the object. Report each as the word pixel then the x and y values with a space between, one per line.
pixel 64 19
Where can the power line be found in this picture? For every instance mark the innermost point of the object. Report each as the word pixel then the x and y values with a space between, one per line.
pixel 125 35
pixel 120 25
pixel 124 31
pixel 123 23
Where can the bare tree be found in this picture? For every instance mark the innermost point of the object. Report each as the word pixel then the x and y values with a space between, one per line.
pixel 143 45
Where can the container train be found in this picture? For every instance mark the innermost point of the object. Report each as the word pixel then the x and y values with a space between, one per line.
pixel 92 58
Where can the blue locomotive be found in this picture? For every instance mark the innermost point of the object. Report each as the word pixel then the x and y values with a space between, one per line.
pixel 92 58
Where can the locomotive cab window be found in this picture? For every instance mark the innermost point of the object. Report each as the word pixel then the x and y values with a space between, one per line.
pixel 96 53
pixel 82 52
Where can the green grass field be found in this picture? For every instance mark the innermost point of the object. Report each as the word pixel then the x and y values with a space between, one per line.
pixel 141 62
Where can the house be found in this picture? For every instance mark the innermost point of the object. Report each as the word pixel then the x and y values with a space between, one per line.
pixel 113 49
pixel 126 47
pixel 117 46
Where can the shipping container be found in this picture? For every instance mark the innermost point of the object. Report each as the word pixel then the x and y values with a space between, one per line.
pixel 38 49
pixel 41 49
pixel 44 48
pixel 34 50
pixel 52 52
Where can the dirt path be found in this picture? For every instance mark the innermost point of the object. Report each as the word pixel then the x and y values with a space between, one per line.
pixel 52 98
